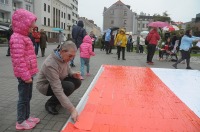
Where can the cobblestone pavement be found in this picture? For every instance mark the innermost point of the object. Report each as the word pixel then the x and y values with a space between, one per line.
pixel 54 123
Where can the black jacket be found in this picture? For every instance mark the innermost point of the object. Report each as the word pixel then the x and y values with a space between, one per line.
pixel 78 33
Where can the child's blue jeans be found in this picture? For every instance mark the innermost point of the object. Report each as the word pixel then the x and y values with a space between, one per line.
pixel 84 62
pixel 23 105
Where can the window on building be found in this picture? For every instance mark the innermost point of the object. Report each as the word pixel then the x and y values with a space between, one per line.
pixel 44 7
pixel 143 25
pixel 64 25
pixel 69 17
pixel 112 22
pixel 2 16
pixel 4 1
pixel 111 12
pixel 14 6
pixel 125 13
pixel 54 17
pixel 69 27
pixel 48 21
pixel 49 8
pixel 64 15
pixel 28 7
pixel 45 21
pixel 125 22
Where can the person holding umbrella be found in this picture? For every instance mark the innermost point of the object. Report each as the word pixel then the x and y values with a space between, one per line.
pixel 152 38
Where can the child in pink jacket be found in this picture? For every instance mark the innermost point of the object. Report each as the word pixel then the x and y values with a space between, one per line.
pixel 24 64
pixel 85 53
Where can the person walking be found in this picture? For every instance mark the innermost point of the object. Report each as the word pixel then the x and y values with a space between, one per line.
pixel 185 46
pixel 61 39
pixel 121 42
pixel 24 64
pixel 78 33
pixel 93 37
pixel 152 38
pixel 129 43
pixel 31 36
pixel 9 33
pixel 112 40
pixel 103 42
pixel 107 40
pixel 85 53
pixel 56 79
pixel 36 36
pixel 43 42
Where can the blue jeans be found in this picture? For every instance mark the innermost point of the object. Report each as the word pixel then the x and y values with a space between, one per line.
pixel 37 45
pixel 23 105
pixel 84 62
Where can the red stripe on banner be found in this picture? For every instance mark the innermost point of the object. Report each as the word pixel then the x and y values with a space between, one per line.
pixel 127 99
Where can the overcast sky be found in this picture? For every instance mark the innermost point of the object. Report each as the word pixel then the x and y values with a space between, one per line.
pixel 178 10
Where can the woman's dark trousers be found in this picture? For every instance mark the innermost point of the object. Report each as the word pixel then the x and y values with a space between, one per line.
pixel 119 49
pixel 151 48
pixel 69 85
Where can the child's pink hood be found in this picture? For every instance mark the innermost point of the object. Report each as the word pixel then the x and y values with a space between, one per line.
pixel 22 21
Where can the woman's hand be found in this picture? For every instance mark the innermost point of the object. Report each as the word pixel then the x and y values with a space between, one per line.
pixel 29 81
pixel 77 75
pixel 74 115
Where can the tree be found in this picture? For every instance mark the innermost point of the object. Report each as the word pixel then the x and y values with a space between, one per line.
pixel 165 14
pixel 165 17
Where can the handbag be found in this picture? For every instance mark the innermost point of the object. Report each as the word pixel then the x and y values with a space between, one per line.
pixel 119 43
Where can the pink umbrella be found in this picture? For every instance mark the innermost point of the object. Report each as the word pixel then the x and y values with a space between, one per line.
pixel 158 24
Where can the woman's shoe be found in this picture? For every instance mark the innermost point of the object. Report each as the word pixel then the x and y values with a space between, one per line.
pixel 188 67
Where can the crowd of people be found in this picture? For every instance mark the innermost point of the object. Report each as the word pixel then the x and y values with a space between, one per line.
pixel 169 47
pixel 56 77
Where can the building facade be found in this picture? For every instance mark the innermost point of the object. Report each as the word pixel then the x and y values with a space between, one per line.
pixel 7 7
pixel 50 14
pixel 120 15
pixel 142 22
pixel 90 26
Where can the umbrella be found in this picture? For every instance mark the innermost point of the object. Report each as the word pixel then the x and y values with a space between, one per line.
pixel 158 24
pixel 114 28
pixel 170 28
pixel 144 32
pixel 57 29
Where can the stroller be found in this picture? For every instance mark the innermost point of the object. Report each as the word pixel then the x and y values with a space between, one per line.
pixel 173 53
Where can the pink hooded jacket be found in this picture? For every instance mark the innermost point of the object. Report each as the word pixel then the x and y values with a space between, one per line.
pixel 23 56
pixel 86 47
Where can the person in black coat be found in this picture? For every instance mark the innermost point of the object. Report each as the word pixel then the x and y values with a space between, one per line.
pixel 78 33
pixel 9 33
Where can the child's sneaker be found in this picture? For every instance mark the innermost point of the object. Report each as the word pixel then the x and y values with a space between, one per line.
pixel 88 74
pixel 33 119
pixel 81 78
pixel 25 125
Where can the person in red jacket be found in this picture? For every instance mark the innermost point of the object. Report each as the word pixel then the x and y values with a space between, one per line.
pixel 36 36
pixel 152 38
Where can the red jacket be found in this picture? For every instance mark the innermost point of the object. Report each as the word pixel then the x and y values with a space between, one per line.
pixel 36 36
pixel 153 37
